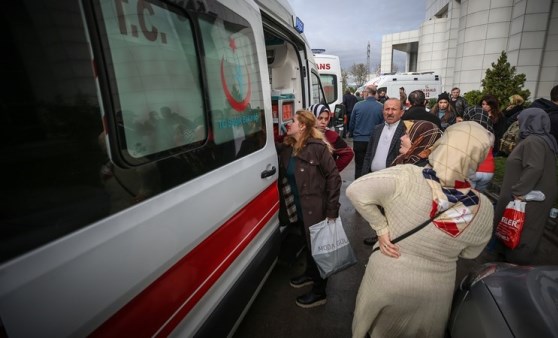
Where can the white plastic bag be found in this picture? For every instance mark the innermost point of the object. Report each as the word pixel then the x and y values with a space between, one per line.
pixel 330 247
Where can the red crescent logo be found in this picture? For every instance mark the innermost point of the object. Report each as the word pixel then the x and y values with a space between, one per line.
pixel 239 106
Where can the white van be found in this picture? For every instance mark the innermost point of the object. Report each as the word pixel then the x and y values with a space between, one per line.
pixel 428 82
pixel 141 196
pixel 329 68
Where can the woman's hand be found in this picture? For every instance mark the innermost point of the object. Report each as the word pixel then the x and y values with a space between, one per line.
pixel 388 248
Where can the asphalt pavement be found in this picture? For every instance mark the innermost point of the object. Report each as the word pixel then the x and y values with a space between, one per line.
pixel 275 314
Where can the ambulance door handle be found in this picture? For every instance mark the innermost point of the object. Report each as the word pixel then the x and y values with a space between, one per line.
pixel 270 172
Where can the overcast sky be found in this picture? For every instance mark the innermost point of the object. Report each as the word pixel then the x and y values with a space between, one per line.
pixel 344 28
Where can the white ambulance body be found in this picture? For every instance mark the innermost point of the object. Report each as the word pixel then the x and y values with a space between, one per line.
pixel 142 197
pixel 428 82
pixel 329 68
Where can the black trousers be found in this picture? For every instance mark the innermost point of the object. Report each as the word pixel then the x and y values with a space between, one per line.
pixel 348 119
pixel 359 147
pixel 312 271
pixel 312 268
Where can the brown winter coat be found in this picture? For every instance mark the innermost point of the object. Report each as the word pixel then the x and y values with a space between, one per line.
pixel 317 180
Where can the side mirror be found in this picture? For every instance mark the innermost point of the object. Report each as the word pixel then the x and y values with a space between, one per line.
pixel 338 118
pixel 339 113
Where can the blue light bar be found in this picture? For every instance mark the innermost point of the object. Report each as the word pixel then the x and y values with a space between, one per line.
pixel 299 25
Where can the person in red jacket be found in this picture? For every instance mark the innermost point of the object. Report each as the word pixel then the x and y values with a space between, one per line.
pixel 342 153
pixel 480 180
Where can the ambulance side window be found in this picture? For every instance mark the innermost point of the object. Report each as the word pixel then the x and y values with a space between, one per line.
pixel 159 89
pixel 234 83
pixel 154 79
pixel 329 81
pixel 317 91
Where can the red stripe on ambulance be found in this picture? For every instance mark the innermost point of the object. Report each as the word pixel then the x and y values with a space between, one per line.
pixel 163 304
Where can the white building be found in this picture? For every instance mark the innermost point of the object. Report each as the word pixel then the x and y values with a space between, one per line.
pixel 462 38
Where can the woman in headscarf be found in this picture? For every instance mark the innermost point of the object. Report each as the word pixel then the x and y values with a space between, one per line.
pixel 407 288
pixel 417 142
pixel 530 166
pixel 484 173
pixel 342 153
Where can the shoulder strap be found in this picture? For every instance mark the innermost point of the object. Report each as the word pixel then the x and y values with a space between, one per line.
pixel 412 231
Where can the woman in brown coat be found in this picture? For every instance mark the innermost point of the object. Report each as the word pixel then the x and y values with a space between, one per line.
pixel 305 161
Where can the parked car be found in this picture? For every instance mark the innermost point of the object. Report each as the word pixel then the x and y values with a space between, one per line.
pixel 506 300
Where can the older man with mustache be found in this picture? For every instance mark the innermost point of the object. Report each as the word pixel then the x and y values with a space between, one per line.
pixel 384 144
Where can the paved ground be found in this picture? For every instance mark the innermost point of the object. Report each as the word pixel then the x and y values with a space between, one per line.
pixel 275 314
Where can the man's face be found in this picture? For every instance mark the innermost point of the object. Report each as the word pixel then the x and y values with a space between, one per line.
pixel 382 94
pixel 392 111
pixel 455 93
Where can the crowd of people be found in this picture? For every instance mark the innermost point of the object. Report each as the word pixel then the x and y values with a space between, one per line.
pixel 436 163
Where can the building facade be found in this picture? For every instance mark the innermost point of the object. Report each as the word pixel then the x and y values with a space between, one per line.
pixel 461 39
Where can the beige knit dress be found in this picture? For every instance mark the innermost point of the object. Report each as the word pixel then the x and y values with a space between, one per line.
pixel 411 296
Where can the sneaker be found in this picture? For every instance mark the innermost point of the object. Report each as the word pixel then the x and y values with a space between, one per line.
pixel 371 240
pixel 311 299
pixel 301 281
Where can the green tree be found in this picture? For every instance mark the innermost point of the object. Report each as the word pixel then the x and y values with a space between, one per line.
pixel 360 73
pixel 344 79
pixel 473 97
pixel 502 81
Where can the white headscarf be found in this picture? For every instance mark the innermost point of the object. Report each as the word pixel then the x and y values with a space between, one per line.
pixel 459 151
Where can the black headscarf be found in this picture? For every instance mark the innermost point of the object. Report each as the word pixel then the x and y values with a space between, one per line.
pixel 535 121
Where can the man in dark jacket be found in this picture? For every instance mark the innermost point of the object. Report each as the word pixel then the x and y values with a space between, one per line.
pixel 366 115
pixel 551 107
pixel 382 97
pixel 458 102
pixel 349 101
pixel 418 111
pixel 384 144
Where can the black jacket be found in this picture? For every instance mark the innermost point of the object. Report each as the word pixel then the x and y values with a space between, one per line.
pixel 349 100
pixel 373 145
pixel 420 113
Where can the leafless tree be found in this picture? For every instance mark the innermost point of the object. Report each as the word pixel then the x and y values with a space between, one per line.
pixel 360 73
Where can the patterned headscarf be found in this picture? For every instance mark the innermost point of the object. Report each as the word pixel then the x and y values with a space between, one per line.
pixel 478 115
pixel 317 109
pixel 454 156
pixel 535 121
pixel 423 135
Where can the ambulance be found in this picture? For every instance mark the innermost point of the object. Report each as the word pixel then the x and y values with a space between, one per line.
pixel 329 68
pixel 141 196
pixel 429 82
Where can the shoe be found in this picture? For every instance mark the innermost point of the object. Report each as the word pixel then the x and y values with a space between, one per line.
pixel 371 240
pixel 301 281
pixel 311 299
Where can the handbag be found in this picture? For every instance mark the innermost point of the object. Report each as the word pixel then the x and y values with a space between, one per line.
pixel 511 224
pixel 330 247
